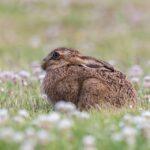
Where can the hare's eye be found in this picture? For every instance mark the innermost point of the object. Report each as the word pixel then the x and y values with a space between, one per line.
pixel 55 55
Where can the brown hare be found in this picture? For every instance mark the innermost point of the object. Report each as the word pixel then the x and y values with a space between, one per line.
pixel 85 81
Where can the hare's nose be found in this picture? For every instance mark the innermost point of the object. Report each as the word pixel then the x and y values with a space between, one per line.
pixel 44 60
pixel 44 63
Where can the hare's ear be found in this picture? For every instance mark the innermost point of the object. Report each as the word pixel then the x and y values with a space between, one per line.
pixel 101 64
pixel 93 65
pixel 108 66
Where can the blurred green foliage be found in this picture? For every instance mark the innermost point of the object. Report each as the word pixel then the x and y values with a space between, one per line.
pixel 110 30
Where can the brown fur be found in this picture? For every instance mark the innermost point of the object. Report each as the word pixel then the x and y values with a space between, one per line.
pixel 87 82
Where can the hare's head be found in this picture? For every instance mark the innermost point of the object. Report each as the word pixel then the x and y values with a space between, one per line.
pixel 58 58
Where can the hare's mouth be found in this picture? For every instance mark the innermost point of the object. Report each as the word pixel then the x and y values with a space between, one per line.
pixel 43 65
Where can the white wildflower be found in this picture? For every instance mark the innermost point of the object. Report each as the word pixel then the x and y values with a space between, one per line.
pixel 19 119
pixel 54 117
pixel 47 121
pixel 43 137
pixel 2 89
pixel 130 106
pixel 146 83
pixel 44 96
pixel 129 135
pixel 23 113
pixel 146 115
pixel 7 134
pixel 138 121
pixel 136 82
pixel 18 137
pixel 65 107
pixel 3 115
pixel 28 145
pixel 81 115
pixel 84 115
pixel 65 125
pixel 89 142
pixel 41 77
pixel 128 119
pixel 30 133
pixel 24 83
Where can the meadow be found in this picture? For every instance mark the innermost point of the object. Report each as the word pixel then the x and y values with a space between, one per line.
pixel 115 31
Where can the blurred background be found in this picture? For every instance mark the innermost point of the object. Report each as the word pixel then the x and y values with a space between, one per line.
pixel 117 31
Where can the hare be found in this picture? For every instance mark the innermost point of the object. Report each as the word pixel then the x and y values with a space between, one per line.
pixel 85 81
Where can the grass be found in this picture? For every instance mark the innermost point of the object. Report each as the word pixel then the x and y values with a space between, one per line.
pixel 109 30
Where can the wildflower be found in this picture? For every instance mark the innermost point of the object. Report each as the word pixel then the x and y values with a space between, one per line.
pixel 35 64
pixel 136 82
pixel 36 68
pixel 65 107
pixel 89 143
pixel 30 133
pixel 129 135
pixel 28 145
pixel 131 106
pixel 3 115
pixel 146 115
pixel 41 77
pixel 7 134
pixel 146 83
pixel 24 74
pixel 18 119
pixel 24 83
pixel 9 76
pixel 23 113
pixel 43 137
pixel 138 121
pixel 81 115
pixel 128 119
pixel 2 90
pixel 65 125
pixel 135 71
pixel 47 121
pixel 18 137
pixel 84 115
pixel 43 96
pixel 54 117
